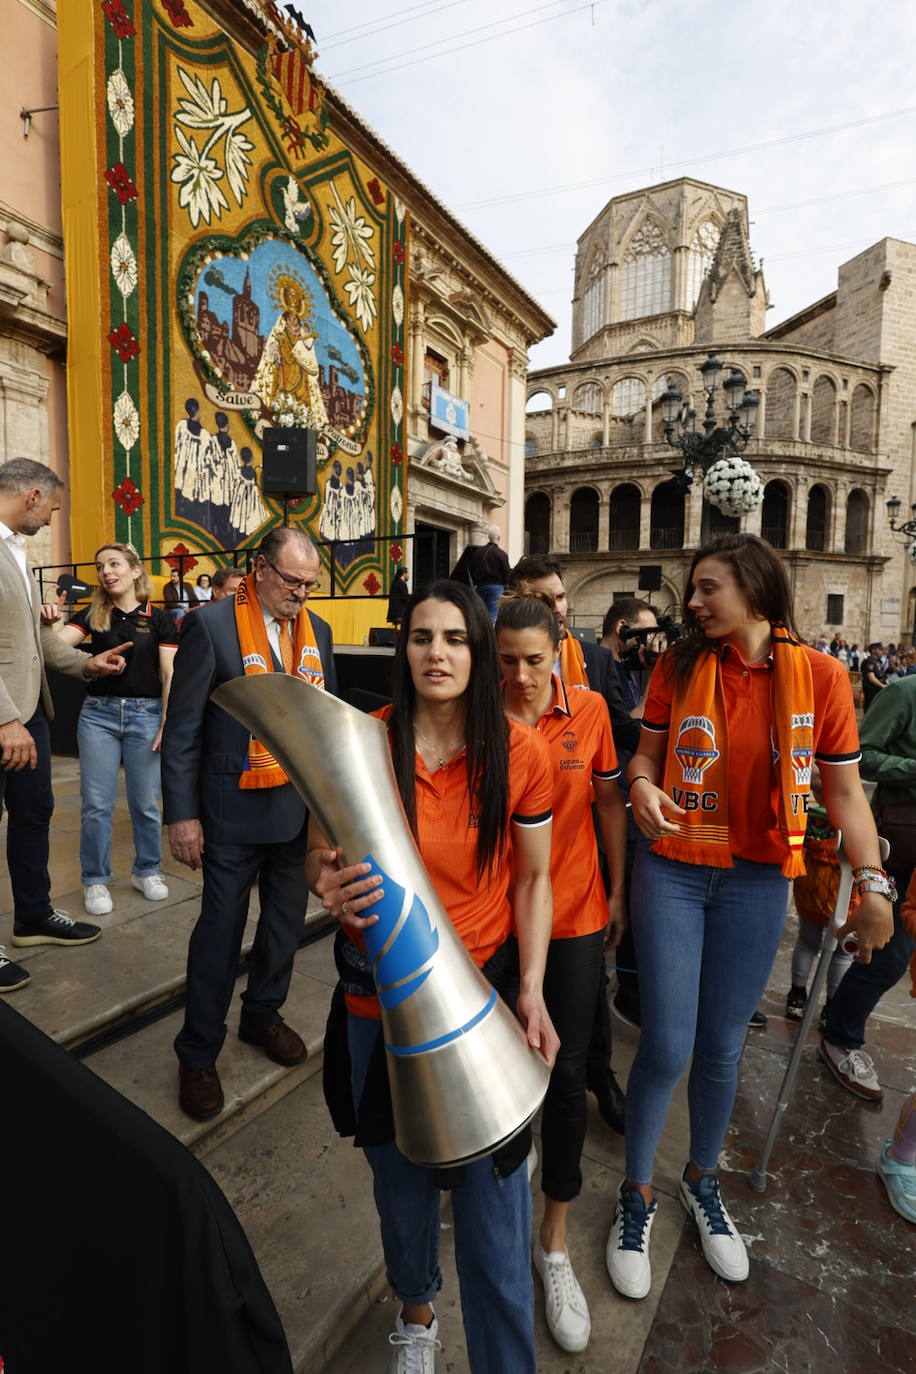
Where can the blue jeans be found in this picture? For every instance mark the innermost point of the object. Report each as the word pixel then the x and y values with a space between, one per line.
pixel 864 985
pixel 706 939
pixel 490 594
pixel 113 730
pixel 492 1220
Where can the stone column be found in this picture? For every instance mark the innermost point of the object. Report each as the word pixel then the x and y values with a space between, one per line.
pixel 417 358
pixel 514 511
pixel 604 520
pixel 693 515
pixel 645 521
pixel 559 532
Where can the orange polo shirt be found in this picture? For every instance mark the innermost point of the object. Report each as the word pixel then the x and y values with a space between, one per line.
pixel 577 730
pixel 753 786
pixel 479 908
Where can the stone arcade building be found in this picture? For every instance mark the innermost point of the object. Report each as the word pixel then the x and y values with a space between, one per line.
pixel 665 276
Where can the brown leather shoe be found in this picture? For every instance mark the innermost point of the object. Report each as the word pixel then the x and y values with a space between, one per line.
pixel 200 1093
pixel 280 1042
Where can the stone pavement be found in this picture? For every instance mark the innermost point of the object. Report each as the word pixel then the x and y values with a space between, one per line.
pixel 832 1266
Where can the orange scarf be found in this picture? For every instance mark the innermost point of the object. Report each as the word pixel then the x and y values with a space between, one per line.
pixel 696 765
pixel 572 662
pixel 261 768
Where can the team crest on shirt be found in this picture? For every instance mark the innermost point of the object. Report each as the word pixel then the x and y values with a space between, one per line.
pixel 569 741
pixel 802 748
pixel 695 747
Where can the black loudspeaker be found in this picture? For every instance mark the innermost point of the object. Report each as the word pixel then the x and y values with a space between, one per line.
pixel 289 462
pixel 381 637
pixel 650 577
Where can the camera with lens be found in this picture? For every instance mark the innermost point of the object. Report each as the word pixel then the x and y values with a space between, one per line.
pixel 643 643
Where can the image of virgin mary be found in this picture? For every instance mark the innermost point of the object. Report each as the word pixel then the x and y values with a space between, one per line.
pixel 288 366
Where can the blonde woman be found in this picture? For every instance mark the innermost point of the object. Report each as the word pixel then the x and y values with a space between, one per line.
pixel 121 722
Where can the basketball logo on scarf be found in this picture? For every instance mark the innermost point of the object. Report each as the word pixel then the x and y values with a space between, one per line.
pixel 310 666
pixel 252 661
pixel 802 748
pixel 695 749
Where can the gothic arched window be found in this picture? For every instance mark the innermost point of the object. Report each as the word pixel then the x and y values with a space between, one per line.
pixel 645 276
pixel 699 259
pixel 593 300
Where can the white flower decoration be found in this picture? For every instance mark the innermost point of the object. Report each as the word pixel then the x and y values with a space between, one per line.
pixel 198 176
pixel 399 210
pixel 397 305
pixel 360 293
pixel 733 486
pixel 350 233
pixel 120 102
pixel 396 504
pixel 126 420
pixel 123 265
pixel 397 405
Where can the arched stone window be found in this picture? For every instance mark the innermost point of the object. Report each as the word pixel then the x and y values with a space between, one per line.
pixel 780 405
pixel 537 523
pixel 593 300
pixel 628 397
pixel 666 529
pixel 626 501
pixel 699 259
pixel 531 446
pixel 818 516
pixel 862 419
pixel 645 275
pixel 775 515
pixel 857 509
pixel 588 398
pixel 538 400
pixel 823 411
pixel 583 521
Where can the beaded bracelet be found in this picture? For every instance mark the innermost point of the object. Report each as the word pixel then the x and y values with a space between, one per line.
pixel 868 870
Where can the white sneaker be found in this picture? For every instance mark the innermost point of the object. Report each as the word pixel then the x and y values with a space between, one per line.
pixel 564 1302
pixel 415 1347
pixel 152 887
pixel 97 899
pixel 628 1244
pixel 723 1248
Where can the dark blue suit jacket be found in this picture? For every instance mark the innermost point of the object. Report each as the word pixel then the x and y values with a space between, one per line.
pixel 204 748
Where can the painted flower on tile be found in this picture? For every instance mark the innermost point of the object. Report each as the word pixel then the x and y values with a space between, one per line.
pixel 397 305
pixel 197 172
pixel 124 265
pixel 126 420
pixel 120 103
pixel 396 505
pixel 399 210
pixel 375 191
pixel 118 18
pixel 397 249
pixel 123 342
pixel 128 497
pixel 361 295
pixel 118 179
pixel 397 405
pixel 372 584
pixel 397 354
pixel 350 234
pixel 198 177
pixel 181 558
pixel 395 552
pixel 178 14
pixel 397 455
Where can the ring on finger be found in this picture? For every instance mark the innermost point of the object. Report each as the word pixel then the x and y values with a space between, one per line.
pixel 345 908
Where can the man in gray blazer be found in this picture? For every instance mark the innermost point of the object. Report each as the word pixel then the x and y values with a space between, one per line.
pixel 237 835
pixel 29 496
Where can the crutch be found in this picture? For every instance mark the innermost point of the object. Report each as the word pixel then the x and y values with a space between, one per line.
pixel 758 1179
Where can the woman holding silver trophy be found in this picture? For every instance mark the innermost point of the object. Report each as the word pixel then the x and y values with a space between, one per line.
pixel 477 790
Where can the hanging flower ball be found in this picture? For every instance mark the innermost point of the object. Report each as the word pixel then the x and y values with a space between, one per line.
pixel 733 486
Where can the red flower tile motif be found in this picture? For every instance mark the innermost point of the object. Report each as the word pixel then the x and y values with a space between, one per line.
pixel 375 190
pixel 397 355
pixel 118 179
pixel 175 561
pixel 178 14
pixel 372 584
pixel 128 496
pixel 396 455
pixel 123 342
pixel 397 249
pixel 118 18
pixel 395 552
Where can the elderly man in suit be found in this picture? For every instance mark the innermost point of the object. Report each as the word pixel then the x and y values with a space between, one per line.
pixel 29 496
pixel 231 811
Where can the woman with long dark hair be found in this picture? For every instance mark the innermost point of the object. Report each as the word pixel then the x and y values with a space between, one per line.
pixel 477 792
pixel 575 725
pixel 737 711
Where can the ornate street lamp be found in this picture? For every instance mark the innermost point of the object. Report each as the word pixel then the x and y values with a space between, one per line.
pixel 906 530
pixel 717 441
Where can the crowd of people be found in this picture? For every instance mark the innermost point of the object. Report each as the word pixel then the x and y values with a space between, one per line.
pixel 567 803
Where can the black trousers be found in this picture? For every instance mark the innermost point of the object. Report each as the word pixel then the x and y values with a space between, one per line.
pixel 571 982
pixel 230 871
pixel 29 803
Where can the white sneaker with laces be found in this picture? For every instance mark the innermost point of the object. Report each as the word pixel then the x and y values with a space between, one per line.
pixel 564 1302
pixel 854 1069
pixel 628 1243
pixel 414 1347
pixel 152 887
pixel 97 899
pixel 723 1248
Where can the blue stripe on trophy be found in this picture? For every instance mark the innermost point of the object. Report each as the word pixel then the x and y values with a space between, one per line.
pixel 449 1036
pixel 399 949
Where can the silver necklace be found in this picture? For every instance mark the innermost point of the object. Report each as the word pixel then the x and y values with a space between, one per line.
pixel 438 757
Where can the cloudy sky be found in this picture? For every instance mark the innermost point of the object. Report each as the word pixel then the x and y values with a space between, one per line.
pixel 526 117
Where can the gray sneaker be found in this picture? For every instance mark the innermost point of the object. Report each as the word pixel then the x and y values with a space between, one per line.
pixel 853 1068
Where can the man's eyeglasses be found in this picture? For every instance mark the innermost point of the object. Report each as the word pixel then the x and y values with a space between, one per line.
pixel 295 584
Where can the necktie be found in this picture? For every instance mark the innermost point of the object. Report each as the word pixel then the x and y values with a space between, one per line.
pixel 286 645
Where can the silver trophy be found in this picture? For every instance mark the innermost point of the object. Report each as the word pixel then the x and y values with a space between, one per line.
pixel 463 1077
